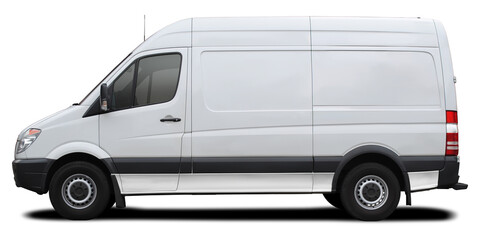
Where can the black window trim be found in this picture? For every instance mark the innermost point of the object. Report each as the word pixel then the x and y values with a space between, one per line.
pixel 92 110
pixel 91 91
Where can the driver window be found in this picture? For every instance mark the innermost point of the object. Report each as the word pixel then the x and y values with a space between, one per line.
pixel 157 79
pixel 154 81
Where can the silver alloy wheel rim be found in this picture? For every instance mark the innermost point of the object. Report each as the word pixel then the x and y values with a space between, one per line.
pixel 371 192
pixel 79 191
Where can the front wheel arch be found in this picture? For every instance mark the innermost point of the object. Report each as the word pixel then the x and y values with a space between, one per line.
pixel 106 165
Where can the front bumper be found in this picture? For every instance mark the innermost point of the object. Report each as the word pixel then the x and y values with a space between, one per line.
pixel 448 176
pixel 31 174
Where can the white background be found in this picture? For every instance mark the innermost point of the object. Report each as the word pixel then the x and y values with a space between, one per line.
pixel 53 53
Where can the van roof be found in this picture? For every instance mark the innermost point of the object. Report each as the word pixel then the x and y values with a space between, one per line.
pixel 295 31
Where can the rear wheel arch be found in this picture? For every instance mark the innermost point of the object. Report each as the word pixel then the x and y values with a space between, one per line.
pixel 374 154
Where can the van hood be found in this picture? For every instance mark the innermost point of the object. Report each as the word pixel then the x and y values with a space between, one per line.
pixel 56 118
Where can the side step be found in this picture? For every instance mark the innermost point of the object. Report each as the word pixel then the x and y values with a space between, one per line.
pixel 460 186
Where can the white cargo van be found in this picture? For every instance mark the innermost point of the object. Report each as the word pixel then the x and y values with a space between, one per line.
pixel 358 109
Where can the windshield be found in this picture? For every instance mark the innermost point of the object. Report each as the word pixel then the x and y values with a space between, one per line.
pixel 105 78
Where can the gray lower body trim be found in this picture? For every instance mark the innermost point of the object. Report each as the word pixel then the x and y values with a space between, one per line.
pixel 423 180
pixel 147 183
pixel 133 184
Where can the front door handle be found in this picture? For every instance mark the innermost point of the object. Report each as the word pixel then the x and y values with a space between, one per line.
pixel 170 119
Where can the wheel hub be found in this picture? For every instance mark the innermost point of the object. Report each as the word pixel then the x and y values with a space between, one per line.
pixel 79 191
pixel 371 192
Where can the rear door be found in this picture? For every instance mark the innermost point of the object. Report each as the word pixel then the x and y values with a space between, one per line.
pixel 144 129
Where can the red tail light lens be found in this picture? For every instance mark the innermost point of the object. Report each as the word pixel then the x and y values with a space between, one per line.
pixel 451 146
pixel 452 117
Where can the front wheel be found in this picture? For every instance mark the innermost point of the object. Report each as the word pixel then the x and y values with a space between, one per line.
pixel 80 190
pixel 370 192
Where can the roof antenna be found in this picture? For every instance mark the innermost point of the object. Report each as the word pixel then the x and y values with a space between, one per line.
pixel 144 17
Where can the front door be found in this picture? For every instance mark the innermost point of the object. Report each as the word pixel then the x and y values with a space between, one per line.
pixel 143 130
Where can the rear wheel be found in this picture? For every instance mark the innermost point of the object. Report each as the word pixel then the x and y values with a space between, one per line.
pixel 370 192
pixel 111 202
pixel 80 190
pixel 334 199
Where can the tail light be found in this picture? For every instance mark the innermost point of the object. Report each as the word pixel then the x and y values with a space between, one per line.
pixel 451 148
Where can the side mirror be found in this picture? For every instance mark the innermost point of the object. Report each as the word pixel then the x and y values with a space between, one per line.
pixel 104 97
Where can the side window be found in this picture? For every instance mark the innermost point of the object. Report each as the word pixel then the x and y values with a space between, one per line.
pixel 157 79
pixel 122 89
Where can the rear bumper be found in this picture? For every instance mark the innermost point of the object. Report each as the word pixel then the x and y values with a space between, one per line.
pixel 31 174
pixel 430 173
pixel 448 176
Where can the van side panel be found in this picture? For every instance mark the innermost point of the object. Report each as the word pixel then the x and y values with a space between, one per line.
pixel 251 103
pixel 251 106
pixel 252 121
pixel 370 97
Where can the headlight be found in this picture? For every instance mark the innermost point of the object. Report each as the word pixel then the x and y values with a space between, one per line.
pixel 27 139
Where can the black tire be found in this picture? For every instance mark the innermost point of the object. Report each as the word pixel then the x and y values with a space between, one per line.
pixel 379 195
pixel 111 202
pixel 89 192
pixel 334 199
